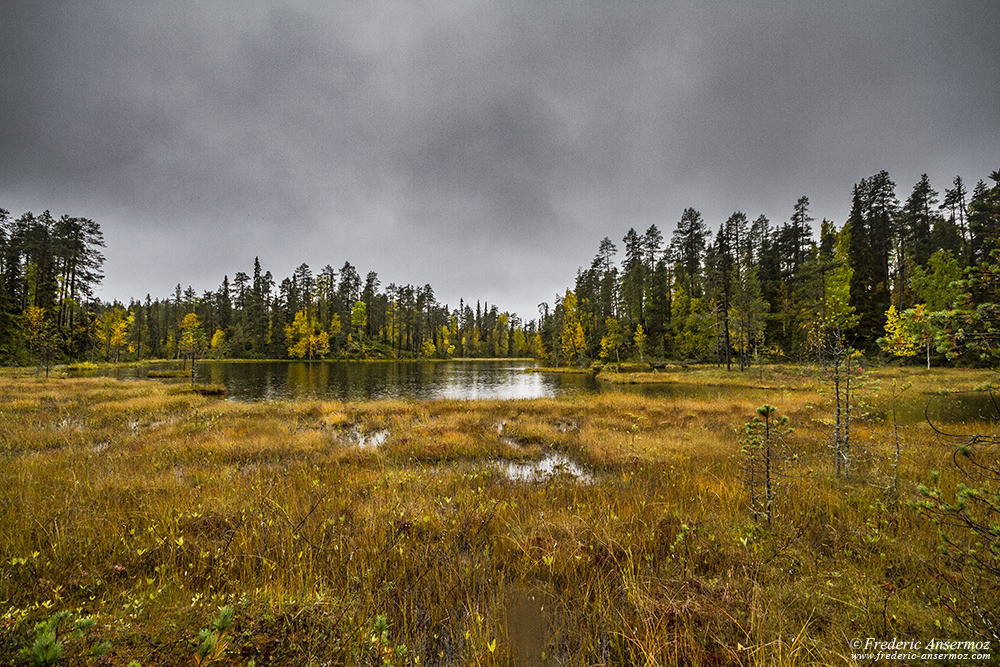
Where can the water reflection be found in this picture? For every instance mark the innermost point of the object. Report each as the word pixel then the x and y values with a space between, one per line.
pixel 422 380
pixel 954 408
pixel 355 438
pixel 554 463
pixel 354 381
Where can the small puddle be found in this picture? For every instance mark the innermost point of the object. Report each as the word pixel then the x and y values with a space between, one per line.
pixel 564 426
pixel 159 423
pixel 373 440
pixel 355 438
pixel 509 442
pixel 539 471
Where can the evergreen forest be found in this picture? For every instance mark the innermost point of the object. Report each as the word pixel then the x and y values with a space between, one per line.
pixel 912 277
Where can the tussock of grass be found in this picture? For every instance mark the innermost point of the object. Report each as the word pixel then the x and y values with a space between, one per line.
pixel 152 509
pixel 150 404
pixel 558 369
pixel 168 373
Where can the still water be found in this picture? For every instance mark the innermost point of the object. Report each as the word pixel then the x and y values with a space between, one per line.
pixel 422 380
pixel 351 381
pixel 952 409
pixel 418 380
pixel 365 380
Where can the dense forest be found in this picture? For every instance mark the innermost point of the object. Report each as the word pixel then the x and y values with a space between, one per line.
pixel 903 278
pixel 917 277
pixel 50 270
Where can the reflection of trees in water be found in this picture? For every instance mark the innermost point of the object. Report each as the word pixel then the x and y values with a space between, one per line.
pixel 364 380
pixel 962 406
pixel 420 380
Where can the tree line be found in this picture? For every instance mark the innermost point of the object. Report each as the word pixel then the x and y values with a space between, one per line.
pixel 332 313
pixel 50 269
pixel 903 278
pixel 894 278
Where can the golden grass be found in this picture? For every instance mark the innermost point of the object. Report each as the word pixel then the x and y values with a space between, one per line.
pixel 151 509
pixel 559 370
pixel 776 376
pixel 168 373
pixel 768 376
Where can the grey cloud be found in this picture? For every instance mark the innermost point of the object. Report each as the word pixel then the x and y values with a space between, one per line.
pixel 484 148
pixel 501 150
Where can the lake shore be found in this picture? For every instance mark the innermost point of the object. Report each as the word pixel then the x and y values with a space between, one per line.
pixel 322 524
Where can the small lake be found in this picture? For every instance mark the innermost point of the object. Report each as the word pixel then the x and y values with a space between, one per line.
pixel 490 380
pixel 418 380
pixel 368 380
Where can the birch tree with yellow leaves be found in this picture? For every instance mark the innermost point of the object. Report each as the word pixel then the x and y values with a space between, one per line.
pixel 306 338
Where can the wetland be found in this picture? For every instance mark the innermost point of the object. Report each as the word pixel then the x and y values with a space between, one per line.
pixel 396 529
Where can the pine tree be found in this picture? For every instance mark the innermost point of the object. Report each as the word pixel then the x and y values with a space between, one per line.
pixel 882 209
pixel 800 232
pixel 722 269
pixel 369 295
pixel 955 203
pixel 77 262
pixel 688 245
pixel 652 242
pixel 923 231
pixel 748 308
pixel 873 235
pixel 658 311
pixel 765 460
pixel 972 331
pixel 348 290
pixel 984 225
pixel 606 253
pixel 633 277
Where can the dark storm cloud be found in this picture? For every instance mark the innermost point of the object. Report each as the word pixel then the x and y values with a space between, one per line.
pixel 520 138
pixel 483 148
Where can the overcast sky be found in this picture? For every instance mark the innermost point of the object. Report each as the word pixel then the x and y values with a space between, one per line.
pixel 484 148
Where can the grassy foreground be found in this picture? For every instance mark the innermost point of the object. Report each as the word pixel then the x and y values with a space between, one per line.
pixel 386 533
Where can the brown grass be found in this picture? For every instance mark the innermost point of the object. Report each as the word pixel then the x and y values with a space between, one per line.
pixel 151 509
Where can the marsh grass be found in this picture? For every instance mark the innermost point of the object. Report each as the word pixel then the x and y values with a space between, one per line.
pixel 565 370
pixel 768 377
pixel 152 509
pixel 155 373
